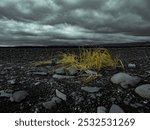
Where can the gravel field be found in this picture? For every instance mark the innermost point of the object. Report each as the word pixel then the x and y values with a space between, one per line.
pixel 25 88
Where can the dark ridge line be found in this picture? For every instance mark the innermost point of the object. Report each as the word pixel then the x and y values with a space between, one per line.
pixel 118 45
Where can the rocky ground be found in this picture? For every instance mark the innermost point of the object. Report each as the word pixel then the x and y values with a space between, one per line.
pixel 25 87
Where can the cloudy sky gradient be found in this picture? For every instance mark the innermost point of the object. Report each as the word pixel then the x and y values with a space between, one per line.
pixel 73 21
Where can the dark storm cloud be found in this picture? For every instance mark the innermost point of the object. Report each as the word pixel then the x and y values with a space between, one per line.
pixel 82 20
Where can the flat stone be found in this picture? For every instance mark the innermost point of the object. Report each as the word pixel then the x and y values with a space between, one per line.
pixel 90 72
pixel 49 105
pixel 125 80
pixel 90 89
pixel 116 109
pixel 56 100
pixel 101 109
pixel 5 94
pixel 56 76
pixel 61 95
pixel 60 71
pixel 19 96
pixel 12 81
pixel 40 73
pixel 72 71
pixel 130 65
pixel 143 91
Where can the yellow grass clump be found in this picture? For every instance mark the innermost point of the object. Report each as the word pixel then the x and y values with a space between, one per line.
pixel 93 59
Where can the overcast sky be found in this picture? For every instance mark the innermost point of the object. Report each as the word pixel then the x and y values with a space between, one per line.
pixel 74 21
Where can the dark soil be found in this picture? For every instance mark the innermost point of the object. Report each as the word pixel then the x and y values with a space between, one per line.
pixel 18 63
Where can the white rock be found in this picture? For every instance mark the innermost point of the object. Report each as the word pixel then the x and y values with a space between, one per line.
pixel 143 91
pixel 19 96
pixel 125 80
pixel 115 109
pixel 61 95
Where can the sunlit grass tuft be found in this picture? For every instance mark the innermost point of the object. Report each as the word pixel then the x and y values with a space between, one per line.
pixel 93 59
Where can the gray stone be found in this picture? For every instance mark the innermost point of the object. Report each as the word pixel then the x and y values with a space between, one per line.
pixel 90 89
pixel 56 76
pixel 72 71
pixel 139 104
pixel 19 96
pixel 116 109
pixel 60 70
pixel 90 72
pixel 61 95
pixel 130 65
pixel 148 71
pixel 143 91
pixel 12 81
pixel 125 80
pixel 5 94
pixel 37 83
pixel 101 109
pixel 40 73
pixel 56 100
pixel 49 105
pixel 133 105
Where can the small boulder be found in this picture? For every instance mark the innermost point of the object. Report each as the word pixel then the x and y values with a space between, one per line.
pixel 143 91
pixel 61 95
pixel 116 109
pixel 19 96
pixel 125 80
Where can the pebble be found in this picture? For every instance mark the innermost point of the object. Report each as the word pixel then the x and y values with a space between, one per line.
pixel 131 65
pixel 143 91
pixel 5 94
pixel 19 96
pixel 125 80
pixel 90 89
pixel 116 109
pixel 61 95
pixel 37 83
pixel 56 100
pixel 49 105
pixel 12 81
pixel 56 76
pixel 101 109
pixel 60 71
pixel 90 72
pixel 72 71
pixel 40 73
